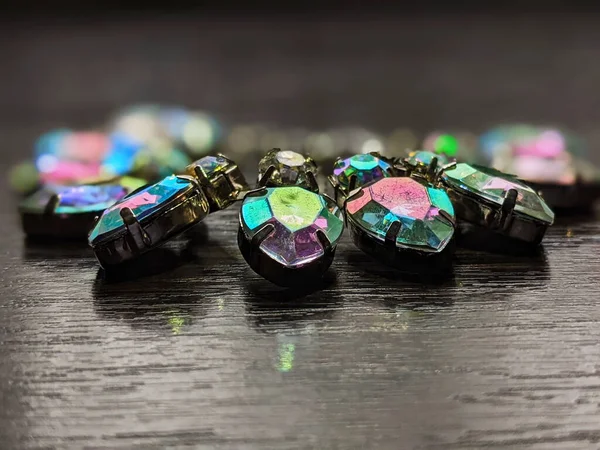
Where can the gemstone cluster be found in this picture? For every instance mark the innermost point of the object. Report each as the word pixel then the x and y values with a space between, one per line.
pixel 425 213
pixel 297 215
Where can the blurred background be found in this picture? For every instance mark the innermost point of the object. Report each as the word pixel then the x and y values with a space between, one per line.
pixel 415 68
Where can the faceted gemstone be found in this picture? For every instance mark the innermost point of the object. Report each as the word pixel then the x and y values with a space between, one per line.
pixel 423 159
pixel 416 206
pixel 211 165
pixel 75 199
pixel 493 186
pixel 290 168
pixel 296 214
pixel 142 204
pixel 365 167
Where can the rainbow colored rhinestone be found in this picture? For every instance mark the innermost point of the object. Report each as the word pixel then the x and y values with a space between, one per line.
pixel 493 186
pixel 291 168
pixel 211 165
pixel 296 214
pixel 143 204
pixel 365 168
pixel 423 158
pixel 75 199
pixel 417 207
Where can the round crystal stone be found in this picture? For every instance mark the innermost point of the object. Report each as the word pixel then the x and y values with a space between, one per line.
pixel 291 168
pixel 417 207
pixel 365 168
pixel 493 186
pixel 296 214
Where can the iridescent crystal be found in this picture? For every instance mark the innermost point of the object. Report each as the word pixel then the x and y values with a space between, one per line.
pixel 365 168
pixel 424 158
pixel 417 207
pixel 142 204
pixel 211 165
pixel 291 168
pixel 493 186
pixel 75 199
pixel 296 214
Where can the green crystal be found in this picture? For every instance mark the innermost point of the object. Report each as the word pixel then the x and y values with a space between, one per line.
pixel 493 186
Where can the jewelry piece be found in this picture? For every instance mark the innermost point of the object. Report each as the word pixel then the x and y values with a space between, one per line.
pixel 288 234
pixel 486 197
pixel 148 217
pixel 67 211
pixel 358 170
pixel 550 160
pixel 290 169
pixel 398 220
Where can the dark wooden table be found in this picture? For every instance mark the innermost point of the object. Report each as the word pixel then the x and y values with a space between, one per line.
pixel 196 350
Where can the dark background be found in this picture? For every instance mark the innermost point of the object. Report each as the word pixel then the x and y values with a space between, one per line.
pixel 198 351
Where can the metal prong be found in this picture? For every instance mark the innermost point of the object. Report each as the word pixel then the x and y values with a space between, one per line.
pixel 446 215
pixel 340 197
pixel 333 181
pixel 357 193
pixel 136 231
pixel 508 206
pixel 262 234
pixel 262 182
pixel 328 198
pixel 53 202
pixel 352 181
pixel 448 166
pixel 432 168
pixel 324 240
pixel 202 178
pixel 392 233
pixel 312 181
pixel 251 193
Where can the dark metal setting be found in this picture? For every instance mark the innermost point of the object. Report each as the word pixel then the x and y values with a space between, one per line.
pixel 139 236
pixel 410 260
pixel 222 188
pixel 503 219
pixel 49 224
pixel 277 273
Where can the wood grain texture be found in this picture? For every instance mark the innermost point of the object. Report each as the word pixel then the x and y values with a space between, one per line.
pixel 194 350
